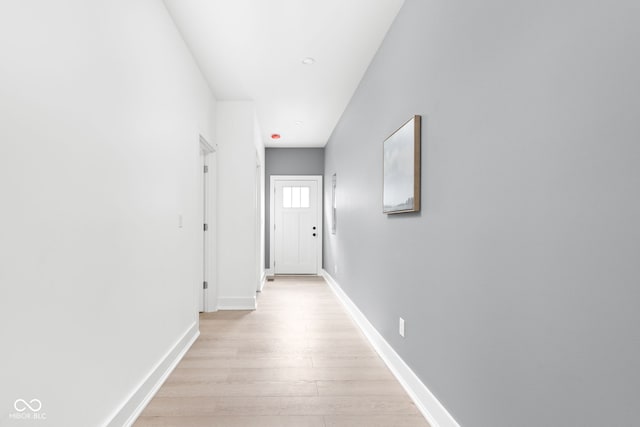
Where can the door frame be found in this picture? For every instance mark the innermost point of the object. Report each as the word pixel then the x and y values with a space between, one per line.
pixel 210 256
pixel 272 219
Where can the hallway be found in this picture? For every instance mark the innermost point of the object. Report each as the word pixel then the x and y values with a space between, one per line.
pixel 297 361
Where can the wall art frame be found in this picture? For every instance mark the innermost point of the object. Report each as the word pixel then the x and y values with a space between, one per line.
pixel 401 168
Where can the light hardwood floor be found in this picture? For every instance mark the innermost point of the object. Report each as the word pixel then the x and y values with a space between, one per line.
pixel 297 361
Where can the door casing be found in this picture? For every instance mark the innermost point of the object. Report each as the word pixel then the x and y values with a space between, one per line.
pixel 208 154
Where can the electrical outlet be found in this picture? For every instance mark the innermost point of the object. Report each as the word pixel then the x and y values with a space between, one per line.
pixel 401 327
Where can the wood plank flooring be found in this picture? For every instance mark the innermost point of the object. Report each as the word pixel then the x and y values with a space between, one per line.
pixel 297 361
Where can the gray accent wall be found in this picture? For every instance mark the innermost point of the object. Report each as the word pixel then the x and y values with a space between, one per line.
pixel 288 161
pixel 519 280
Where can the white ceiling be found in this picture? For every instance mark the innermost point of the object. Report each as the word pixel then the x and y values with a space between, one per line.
pixel 253 50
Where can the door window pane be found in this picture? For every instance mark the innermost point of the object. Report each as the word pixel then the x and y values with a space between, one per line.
pixel 295 197
pixel 304 197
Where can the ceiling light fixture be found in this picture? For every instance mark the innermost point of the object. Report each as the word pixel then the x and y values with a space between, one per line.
pixel 275 136
pixel 308 60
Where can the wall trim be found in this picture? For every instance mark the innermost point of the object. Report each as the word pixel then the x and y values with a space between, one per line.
pixel 133 406
pixel 435 413
pixel 237 303
pixel 263 280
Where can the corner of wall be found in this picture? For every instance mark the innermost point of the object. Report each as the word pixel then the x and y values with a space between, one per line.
pixel 239 200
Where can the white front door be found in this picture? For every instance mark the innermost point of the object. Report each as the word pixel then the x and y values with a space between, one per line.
pixel 297 228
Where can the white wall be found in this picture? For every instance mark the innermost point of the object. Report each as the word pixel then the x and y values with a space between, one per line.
pixel 101 106
pixel 261 200
pixel 238 256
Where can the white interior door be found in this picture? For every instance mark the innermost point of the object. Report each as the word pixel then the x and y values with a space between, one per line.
pixel 297 229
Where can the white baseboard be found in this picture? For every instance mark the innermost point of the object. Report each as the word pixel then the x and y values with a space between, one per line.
pixel 431 408
pixel 237 303
pixel 131 409
pixel 263 280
